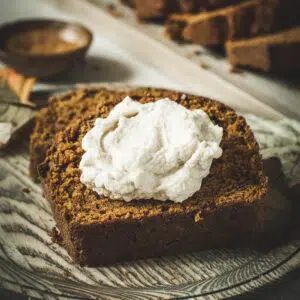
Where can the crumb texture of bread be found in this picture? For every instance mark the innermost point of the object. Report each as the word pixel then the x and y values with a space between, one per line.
pixel 227 210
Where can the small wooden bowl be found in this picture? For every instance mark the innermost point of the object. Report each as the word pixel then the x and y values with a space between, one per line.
pixel 44 65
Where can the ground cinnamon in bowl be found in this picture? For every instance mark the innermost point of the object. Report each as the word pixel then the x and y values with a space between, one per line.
pixel 42 48
pixel 43 41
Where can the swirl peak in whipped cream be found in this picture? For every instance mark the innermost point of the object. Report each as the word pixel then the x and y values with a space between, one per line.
pixel 159 150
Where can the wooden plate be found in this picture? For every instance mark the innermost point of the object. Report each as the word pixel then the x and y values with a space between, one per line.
pixel 31 264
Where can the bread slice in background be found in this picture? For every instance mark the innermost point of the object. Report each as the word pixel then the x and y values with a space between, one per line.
pixel 247 19
pixel 160 9
pixel 277 53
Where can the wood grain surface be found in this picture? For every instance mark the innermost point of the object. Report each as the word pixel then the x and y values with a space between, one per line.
pixel 31 264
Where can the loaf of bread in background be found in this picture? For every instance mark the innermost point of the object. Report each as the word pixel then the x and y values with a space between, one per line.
pixel 247 19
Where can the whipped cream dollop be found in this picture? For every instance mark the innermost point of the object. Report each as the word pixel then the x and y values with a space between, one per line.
pixel 158 150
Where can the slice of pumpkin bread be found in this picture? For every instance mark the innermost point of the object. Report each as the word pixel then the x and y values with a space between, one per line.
pixel 228 209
